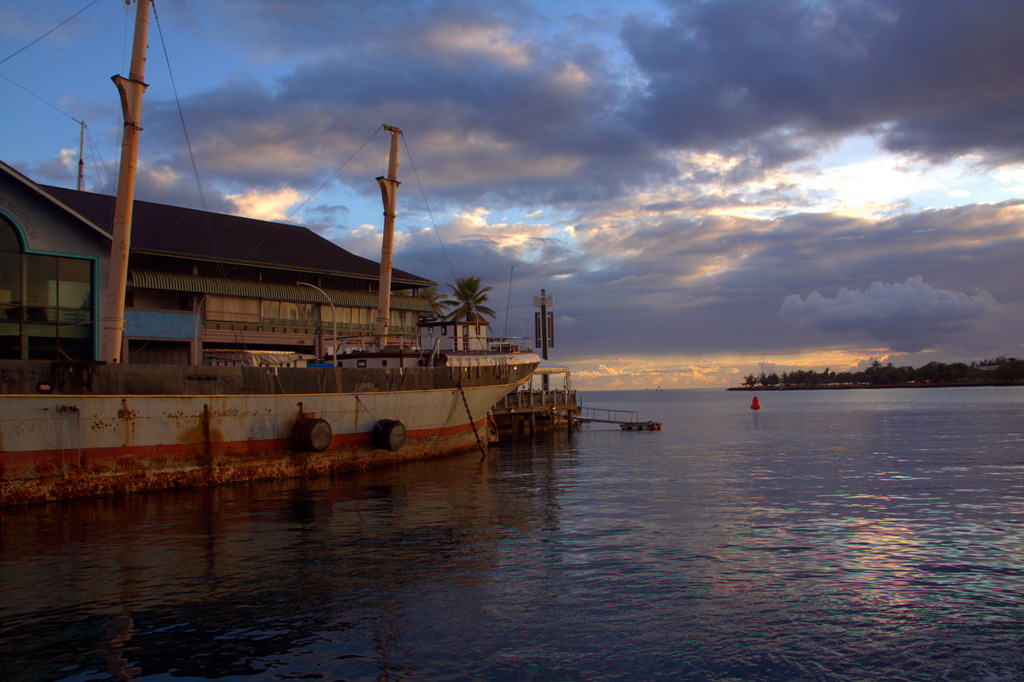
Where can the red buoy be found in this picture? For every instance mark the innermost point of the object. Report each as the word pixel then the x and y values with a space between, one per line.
pixel 756 405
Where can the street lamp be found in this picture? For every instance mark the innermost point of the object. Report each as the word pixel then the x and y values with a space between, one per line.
pixel 334 316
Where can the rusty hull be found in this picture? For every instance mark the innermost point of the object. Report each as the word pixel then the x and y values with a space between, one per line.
pixel 81 430
pixel 127 474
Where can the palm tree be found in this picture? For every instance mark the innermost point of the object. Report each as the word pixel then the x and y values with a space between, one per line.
pixel 433 299
pixel 467 301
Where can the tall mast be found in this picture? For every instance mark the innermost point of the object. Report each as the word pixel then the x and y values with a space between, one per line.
pixel 131 90
pixel 388 191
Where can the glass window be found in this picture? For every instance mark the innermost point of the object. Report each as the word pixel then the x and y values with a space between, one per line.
pixel 39 332
pixel 74 324
pixel 232 309
pixel 40 280
pixel 46 303
pixel 270 310
pixel 10 291
pixel 10 277
pixel 402 318
pixel 361 316
pixel 75 286
pixel 8 236
pixel 305 314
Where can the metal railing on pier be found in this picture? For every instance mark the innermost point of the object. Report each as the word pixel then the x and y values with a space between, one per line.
pixel 628 420
pixel 521 399
pixel 598 414
pixel 528 411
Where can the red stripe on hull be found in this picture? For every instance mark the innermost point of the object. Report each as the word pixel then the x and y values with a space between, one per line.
pixel 46 475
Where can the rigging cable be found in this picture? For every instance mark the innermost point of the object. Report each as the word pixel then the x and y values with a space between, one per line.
pixel 313 193
pixel 96 155
pixel 92 142
pixel 224 271
pixel 49 104
pixel 338 170
pixel 427 204
pixel 181 114
pixel 211 233
pixel 49 32
pixel 195 169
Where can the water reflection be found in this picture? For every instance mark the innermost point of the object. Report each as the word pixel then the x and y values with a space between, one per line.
pixel 803 543
pixel 220 581
pixel 119 631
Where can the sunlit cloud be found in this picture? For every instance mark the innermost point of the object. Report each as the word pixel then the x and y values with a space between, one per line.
pixel 486 159
pixel 569 77
pixel 265 205
pixel 671 372
pixel 491 42
pixel 163 177
pixel 1011 178
pixel 671 181
pixel 69 157
pixel 519 237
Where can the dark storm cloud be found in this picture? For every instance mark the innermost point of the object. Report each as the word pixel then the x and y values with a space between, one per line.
pixel 532 119
pixel 552 114
pixel 941 78
pixel 515 108
pixel 907 316
pixel 718 283
pixel 542 116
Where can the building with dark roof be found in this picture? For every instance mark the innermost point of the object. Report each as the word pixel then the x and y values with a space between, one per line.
pixel 197 281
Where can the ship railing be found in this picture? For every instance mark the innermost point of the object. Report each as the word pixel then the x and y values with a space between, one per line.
pixel 430 343
pixel 365 343
pixel 281 326
pixel 508 344
pixel 473 345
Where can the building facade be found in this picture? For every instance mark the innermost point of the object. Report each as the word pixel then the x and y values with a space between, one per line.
pixel 200 284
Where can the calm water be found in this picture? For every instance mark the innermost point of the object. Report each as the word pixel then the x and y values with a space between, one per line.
pixel 831 536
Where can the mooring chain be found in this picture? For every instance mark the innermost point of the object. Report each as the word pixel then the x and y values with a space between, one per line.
pixel 483 452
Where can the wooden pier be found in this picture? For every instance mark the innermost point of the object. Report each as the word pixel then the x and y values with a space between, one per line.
pixel 529 411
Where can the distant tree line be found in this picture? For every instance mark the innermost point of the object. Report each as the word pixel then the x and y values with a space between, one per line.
pixel 996 371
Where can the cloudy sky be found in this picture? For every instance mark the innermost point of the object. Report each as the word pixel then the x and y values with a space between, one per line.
pixel 709 189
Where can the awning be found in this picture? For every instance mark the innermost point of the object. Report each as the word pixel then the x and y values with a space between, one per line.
pixel 198 284
pixel 551 370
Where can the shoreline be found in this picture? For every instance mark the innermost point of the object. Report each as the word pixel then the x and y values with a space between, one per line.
pixel 848 387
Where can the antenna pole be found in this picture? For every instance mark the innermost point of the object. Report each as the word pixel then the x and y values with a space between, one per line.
pixel 508 303
pixel 81 154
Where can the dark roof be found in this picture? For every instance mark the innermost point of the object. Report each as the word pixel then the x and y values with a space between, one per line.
pixel 173 230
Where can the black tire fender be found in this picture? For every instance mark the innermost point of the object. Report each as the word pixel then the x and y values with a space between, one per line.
pixel 388 434
pixel 311 435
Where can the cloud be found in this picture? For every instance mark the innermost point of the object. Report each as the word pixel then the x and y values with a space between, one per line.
pixel 909 316
pixel 265 205
pixel 488 41
pixel 671 171
pixel 937 79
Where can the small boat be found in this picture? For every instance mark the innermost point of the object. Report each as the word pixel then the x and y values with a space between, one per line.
pixel 641 426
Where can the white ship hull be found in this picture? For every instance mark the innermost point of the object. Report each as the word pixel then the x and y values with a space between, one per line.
pixel 60 442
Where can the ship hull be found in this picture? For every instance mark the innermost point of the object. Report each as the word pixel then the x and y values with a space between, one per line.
pixel 69 431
